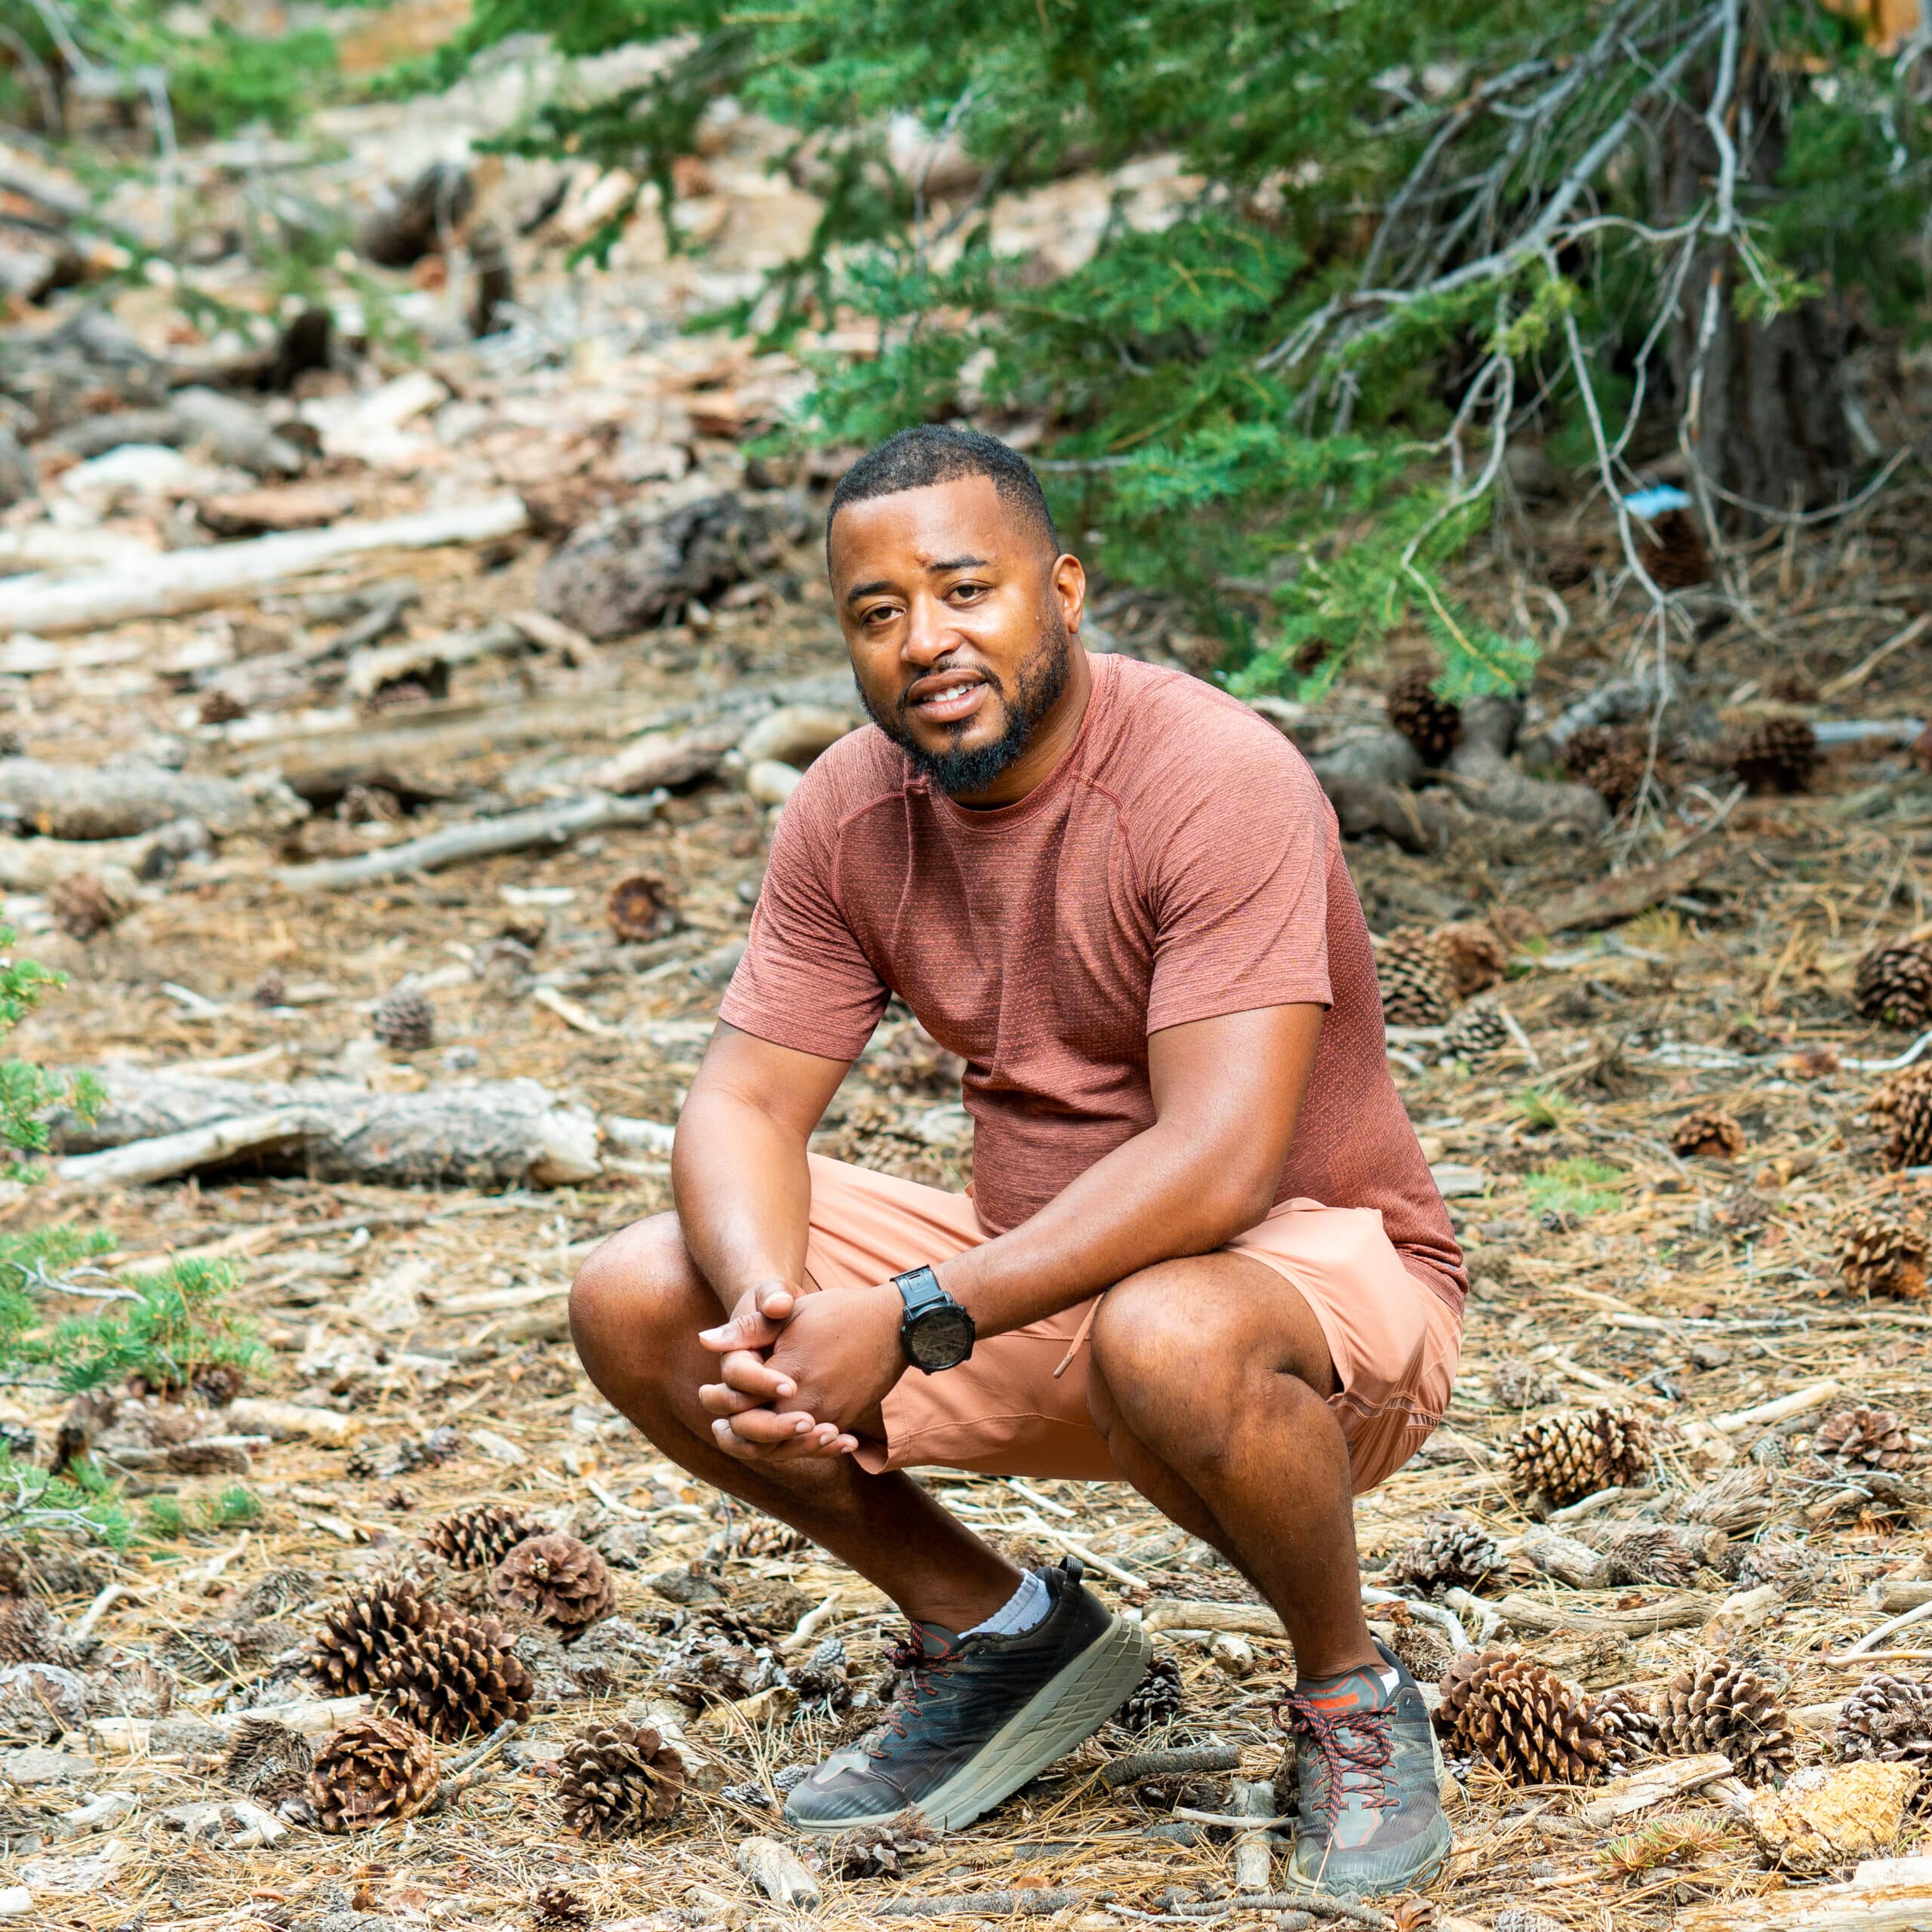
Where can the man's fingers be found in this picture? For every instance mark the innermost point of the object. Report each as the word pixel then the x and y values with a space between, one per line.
pixel 745 1330
pixel 731 1435
pixel 718 1400
pixel 769 1426
pixel 754 1375
pixel 775 1301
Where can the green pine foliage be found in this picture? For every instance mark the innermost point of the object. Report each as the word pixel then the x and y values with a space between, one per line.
pixel 166 1330
pixel 1226 407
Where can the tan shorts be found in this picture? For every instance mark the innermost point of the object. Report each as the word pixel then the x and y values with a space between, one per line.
pixel 1393 1340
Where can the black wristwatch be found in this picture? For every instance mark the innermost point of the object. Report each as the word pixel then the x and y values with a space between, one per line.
pixel 935 1331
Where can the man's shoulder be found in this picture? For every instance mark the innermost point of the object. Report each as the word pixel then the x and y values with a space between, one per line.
pixel 1169 725
pixel 858 770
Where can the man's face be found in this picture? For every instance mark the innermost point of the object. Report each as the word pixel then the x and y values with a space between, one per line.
pixel 959 620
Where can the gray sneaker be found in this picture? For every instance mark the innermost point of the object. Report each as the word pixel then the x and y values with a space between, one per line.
pixel 1370 1817
pixel 975 1716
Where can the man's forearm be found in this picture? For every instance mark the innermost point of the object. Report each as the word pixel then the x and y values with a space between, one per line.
pixel 743 1194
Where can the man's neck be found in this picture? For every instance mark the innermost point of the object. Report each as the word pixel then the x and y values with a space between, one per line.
pixel 1048 745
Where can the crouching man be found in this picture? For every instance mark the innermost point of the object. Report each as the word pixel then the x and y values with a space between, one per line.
pixel 1202 1253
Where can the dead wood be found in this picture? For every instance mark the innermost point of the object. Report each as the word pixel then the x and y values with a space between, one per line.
pixel 1195 1761
pixel 547 825
pixel 495 1133
pixel 37 864
pixel 130 796
pixel 1609 902
pixel 193 579
pixel 1040 1904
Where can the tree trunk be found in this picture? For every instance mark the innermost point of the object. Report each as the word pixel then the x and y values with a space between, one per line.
pixel 1771 426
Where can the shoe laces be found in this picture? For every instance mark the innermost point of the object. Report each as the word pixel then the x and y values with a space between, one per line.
pixel 1357 1742
pixel 919 1668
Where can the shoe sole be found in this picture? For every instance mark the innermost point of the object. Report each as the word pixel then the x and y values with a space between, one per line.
pixel 1064 1712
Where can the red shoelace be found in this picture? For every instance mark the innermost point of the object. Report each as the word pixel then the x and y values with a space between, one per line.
pixel 910 1656
pixel 1353 1741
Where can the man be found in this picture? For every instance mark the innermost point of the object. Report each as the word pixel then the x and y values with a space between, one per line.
pixel 1202 1253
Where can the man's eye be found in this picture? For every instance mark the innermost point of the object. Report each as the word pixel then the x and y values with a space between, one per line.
pixel 972 592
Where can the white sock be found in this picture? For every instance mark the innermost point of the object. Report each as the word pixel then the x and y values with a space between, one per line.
pixel 1021 1611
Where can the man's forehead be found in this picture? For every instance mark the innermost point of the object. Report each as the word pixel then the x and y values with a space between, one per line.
pixel 921 528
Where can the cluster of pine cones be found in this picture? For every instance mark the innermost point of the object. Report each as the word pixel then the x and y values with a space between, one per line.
pixel 1425 976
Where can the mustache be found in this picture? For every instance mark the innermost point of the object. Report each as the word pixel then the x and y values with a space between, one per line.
pixel 902 705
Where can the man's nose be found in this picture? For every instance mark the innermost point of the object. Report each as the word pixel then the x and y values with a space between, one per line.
pixel 929 633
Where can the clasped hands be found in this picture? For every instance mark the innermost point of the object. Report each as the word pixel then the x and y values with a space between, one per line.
pixel 799 1369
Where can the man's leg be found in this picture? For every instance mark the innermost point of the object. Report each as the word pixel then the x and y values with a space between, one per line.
pixel 636 1307
pixel 1209 1380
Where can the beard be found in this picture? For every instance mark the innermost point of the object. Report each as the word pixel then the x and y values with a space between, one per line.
pixel 960 772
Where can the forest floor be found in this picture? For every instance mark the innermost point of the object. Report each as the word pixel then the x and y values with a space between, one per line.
pixel 1607 1268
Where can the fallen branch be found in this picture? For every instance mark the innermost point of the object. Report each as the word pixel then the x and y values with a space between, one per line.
pixel 1039 1904
pixel 547 825
pixel 116 801
pixel 1672 1613
pixel 38 865
pixel 1253 1619
pixel 142 1161
pixel 182 580
pixel 1652 1786
pixel 1195 1761
pixel 778 1872
pixel 1610 901
pixel 1320 1904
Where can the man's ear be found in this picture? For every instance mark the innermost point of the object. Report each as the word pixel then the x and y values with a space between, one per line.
pixel 1067 582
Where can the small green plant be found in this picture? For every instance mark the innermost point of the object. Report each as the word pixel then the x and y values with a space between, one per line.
pixel 163 1519
pixel 1543 1109
pixel 78 1503
pixel 233 1505
pixel 1575 1187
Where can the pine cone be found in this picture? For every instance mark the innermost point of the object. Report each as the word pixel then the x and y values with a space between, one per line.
pixel 1611 763
pixel 1517 1384
pixel 360 1634
pixel 271 990
pixel 1573 1454
pixel 754 1537
pixel 477 1538
pixel 558 1905
pixel 267 1760
pixel 405 1022
pixel 1889 1718
pixel 1651 1554
pixel 1507 1709
pixel 709 1661
pixel 82 905
pixel 1155 1699
pixel 1709 1132
pixel 1432 725
pixel 880 1851
pixel 1629 1728
pixel 1894 984
pixel 1424 1652
pixel 31 1633
pixel 370 805
pixel 1864 1438
pixel 1525 1918
pixel 1791 1567
pixel 372 1770
pixel 614 1779
pixel 213 1653
pixel 1902 1109
pixel 1883 1251
pixel 220 706
pixel 557 1578
pixel 458 1674
pixel 1451 1553
pixel 640 909
pixel 1723 1705
pixel 1418 987
pixel 1475 1034
pixel 763 1607
pixel 824 1677
pixel 1778 754
pixel 1674 554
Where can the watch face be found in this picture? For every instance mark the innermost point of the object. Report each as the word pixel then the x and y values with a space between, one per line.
pixel 940 1338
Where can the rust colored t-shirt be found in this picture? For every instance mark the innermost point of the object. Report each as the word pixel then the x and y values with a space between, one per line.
pixel 1181 863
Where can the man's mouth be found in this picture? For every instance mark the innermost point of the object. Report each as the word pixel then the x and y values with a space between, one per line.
pixel 947 698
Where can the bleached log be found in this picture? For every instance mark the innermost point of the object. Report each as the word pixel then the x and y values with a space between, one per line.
pixel 95 802
pixel 193 579
pixel 547 825
pixel 1652 1785
pixel 38 865
pixel 669 758
pixel 278 1420
pixel 1668 1613
pixel 1253 1619
pixel 1852 1908
pixel 1566 1559
pixel 141 1162
pixel 495 1134
pixel 1255 1800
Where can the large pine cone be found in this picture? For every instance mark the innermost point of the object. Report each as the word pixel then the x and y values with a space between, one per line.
pixel 1883 1251
pixel 1507 1709
pixel 615 1779
pixel 1432 725
pixel 457 1674
pixel 1475 1034
pixel 1889 1718
pixel 372 1769
pixel 1610 762
pixel 1709 1132
pixel 1864 1439
pixel 557 1578
pixel 760 1609
pixel 405 1022
pixel 880 1851
pixel 1726 1706
pixel 267 1760
pixel 1451 1553
pixel 1674 554
pixel 1155 1699
pixel 1476 954
pixel 31 1633
pixel 1418 987
pixel 360 1634
pixel 1629 1728
pixel 1573 1454
pixel 1652 1553
pixel 1779 755
pixel 479 1538
pixel 1894 984
pixel 1792 1568
pixel 1902 1110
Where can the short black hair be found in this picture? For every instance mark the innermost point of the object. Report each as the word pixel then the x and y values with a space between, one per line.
pixel 933 453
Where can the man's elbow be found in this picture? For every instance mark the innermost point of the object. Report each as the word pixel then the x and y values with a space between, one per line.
pixel 1233 1202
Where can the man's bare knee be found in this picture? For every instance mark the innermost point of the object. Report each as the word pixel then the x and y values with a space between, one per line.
pixel 634 1297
